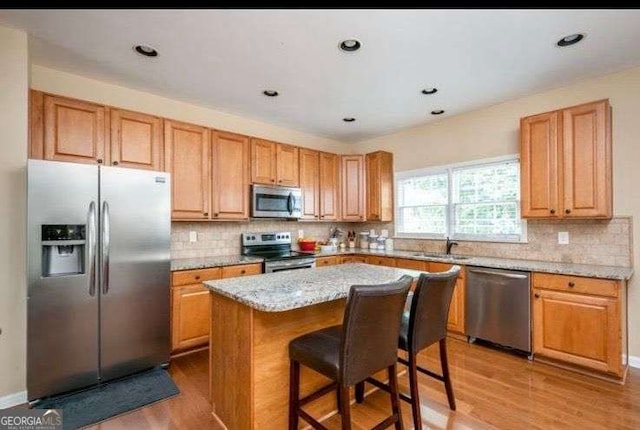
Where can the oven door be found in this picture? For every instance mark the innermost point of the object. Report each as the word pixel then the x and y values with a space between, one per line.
pixel 276 202
pixel 291 264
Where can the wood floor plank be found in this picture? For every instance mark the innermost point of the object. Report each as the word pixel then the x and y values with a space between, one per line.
pixel 494 390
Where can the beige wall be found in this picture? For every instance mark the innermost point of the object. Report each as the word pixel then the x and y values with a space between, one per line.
pixel 493 131
pixel 14 81
pixel 57 82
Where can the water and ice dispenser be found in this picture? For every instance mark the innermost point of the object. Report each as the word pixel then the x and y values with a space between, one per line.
pixel 63 248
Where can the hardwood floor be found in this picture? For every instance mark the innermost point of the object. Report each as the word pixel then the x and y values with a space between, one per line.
pixel 493 390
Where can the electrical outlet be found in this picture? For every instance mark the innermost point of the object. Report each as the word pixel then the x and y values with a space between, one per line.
pixel 563 237
pixel 300 234
pixel 193 236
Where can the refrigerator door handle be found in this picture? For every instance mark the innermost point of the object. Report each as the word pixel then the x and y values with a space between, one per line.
pixel 105 248
pixel 91 245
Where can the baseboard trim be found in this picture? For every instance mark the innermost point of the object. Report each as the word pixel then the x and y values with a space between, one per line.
pixel 634 361
pixel 13 399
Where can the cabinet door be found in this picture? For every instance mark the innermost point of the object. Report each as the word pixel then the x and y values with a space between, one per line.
pixel 310 183
pixel 187 159
pixel 230 176
pixel 539 166
pixel 263 162
pixel 287 165
pixel 136 140
pixel 381 261
pixel 326 261
pixel 379 185
pixel 74 131
pixel 587 160
pixel 455 322
pixel 190 317
pixel 353 259
pixel 353 188
pixel 579 329
pixel 241 270
pixel 329 183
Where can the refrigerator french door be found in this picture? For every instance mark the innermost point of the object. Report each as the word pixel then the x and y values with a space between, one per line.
pixel 98 274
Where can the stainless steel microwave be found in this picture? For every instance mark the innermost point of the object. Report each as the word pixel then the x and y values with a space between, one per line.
pixel 275 202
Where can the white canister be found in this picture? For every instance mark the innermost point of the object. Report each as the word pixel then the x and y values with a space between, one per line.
pixel 388 244
pixel 364 240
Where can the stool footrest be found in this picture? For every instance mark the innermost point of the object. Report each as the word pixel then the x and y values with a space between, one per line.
pixel 317 394
pixel 308 418
pixel 423 370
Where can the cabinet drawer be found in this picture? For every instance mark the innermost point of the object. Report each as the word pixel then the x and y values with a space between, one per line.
pixel 407 263
pixel 186 277
pixel 353 259
pixel 443 267
pixel 381 261
pixel 241 270
pixel 326 261
pixel 576 284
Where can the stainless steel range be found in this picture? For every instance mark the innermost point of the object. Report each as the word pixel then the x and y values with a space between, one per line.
pixel 275 248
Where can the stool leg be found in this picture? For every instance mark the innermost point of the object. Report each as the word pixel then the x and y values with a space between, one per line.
pixel 395 399
pixel 445 374
pixel 360 392
pixel 345 407
pixel 294 393
pixel 338 399
pixel 413 388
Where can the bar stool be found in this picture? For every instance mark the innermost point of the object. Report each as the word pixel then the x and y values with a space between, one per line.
pixel 364 344
pixel 424 322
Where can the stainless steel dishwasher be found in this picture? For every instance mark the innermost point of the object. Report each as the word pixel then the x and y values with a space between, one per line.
pixel 497 307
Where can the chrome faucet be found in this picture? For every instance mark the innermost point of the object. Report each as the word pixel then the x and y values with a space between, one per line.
pixel 450 245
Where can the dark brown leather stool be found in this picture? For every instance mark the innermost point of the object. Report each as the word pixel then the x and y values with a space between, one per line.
pixel 424 322
pixel 364 344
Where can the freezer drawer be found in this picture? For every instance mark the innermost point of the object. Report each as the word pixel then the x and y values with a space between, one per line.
pixel 498 306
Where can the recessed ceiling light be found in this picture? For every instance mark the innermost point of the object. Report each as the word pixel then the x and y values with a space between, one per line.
pixel 437 112
pixel 350 45
pixel 570 40
pixel 348 119
pixel 146 50
pixel 270 93
pixel 428 91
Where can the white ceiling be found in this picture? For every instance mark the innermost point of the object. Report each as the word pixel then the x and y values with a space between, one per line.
pixel 224 59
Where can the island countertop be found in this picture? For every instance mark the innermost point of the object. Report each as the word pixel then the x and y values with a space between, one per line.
pixel 293 289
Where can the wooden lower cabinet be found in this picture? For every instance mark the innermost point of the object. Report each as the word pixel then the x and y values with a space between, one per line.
pixel 583 329
pixel 455 323
pixel 190 307
pixel 327 261
pixel 381 261
pixel 353 259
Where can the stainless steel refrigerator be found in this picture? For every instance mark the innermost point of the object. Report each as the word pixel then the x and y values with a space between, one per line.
pixel 98 274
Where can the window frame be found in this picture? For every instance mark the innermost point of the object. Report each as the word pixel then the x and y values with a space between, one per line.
pixel 450 211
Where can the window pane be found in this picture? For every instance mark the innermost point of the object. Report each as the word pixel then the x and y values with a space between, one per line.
pixel 492 183
pixel 423 220
pixel 487 219
pixel 424 190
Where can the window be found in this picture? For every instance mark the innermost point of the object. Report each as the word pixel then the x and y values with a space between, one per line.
pixel 472 201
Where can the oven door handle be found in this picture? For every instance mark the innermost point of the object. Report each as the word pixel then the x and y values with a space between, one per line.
pixel 290 203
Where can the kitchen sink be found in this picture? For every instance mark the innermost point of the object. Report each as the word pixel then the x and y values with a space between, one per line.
pixel 443 256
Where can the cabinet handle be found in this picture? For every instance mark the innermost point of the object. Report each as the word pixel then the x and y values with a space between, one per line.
pixel 536 295
pixel 321 216
pixel 273 180
pixel 99 160
pixel 572 284
pixel 215 215
pixel 315 216
pixel 552 211
pixel 115 163
pixel 197 277
pixel 567 211
pixel 361 217
pixel 242 272
pixel 280 181
pixel 205 213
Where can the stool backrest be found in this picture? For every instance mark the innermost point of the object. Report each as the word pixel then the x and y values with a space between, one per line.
pixel 371 328
pixel 430 308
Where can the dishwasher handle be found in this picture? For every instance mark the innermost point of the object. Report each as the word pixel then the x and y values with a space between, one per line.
pixel 494 273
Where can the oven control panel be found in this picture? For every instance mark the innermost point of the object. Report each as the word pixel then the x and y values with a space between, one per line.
pixel 270 238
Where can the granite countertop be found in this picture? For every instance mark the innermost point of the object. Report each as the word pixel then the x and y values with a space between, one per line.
pixel 589 270
pixel 283 291
pixel 207 262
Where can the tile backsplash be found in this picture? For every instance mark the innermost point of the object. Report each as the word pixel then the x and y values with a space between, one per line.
pixel 604 242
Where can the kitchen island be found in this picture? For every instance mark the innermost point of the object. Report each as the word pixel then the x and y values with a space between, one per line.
pixel 254 318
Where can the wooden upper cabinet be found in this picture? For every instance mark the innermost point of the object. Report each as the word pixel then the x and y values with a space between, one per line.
pixel 263 162
pixel 566 165
pixel 136 140
pixel 230 176
pixel 329 185
pixel 274 163
pixel 287 165
pixel 353 188
pixel 70 130
pixel 539 165
pixel 310 183
pixel 379 184
pixel 187 159
pixel 587 160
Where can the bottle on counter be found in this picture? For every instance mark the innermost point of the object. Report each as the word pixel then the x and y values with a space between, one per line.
pixel 388 244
